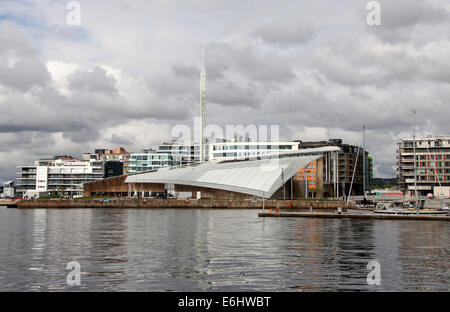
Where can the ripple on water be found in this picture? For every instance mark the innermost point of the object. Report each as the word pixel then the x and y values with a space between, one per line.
pixel 216 250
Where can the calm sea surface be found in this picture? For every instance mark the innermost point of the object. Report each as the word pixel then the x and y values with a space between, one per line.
pixel 216 250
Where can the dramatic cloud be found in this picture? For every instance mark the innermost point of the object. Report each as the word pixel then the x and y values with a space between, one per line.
pixel 130 72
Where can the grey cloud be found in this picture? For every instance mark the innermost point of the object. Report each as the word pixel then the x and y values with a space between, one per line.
pixel 96 80
pixel 19 65
pixel 234 94
pixel 351 63
pixel 120 140
pixel 406 13
pixel 24 74
pixel 15 42
pixel 286 32
pixel 251 62
pixel 185 71
pixel 400 18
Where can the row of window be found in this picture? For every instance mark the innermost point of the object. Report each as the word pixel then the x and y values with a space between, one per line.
pixel 433 171
pixel 434 164
pixel 149 157
pixel 247 147
pixel 143 169
pixel 432 178
pixel 150 163
pixel 428 143
pixel 236 154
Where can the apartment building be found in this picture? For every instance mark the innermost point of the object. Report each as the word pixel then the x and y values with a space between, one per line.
pixel 62 174
pixel 118 154
pixel 432 163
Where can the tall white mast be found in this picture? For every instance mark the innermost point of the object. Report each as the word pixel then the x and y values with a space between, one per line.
pixel 414 153
pixel 364 161
pixel 202 107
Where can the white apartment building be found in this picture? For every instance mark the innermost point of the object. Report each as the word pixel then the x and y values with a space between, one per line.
pixel 64 174
pixel 432 164
pixel 241 150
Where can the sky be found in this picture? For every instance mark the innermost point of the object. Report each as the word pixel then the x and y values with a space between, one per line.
pixel 129 72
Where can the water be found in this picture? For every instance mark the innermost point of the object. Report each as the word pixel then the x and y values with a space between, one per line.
pixel 216 250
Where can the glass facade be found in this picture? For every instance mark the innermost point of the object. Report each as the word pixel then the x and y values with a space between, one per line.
pixel 149 161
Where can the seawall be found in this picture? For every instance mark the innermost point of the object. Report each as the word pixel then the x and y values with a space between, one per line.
pixel 324 206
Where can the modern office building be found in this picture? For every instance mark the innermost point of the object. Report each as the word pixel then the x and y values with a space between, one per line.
pixel 243 150
pixel 369 173
pixel 432 163
pixel 350 169
pixel 149 160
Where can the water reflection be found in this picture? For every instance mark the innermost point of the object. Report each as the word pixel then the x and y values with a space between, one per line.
pixel 216 250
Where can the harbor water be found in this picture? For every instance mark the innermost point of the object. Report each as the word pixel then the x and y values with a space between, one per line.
pixel 216 250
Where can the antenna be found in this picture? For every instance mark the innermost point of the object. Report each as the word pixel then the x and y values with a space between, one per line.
pixel 364 161
pixel 203 54
pixel 202 106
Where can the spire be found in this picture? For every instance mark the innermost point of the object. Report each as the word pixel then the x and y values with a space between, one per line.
pixel 203 55
pixel 203 106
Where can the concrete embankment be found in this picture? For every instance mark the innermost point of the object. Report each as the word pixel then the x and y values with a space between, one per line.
pixel 324 206
pixel 353 216
pixel 9 203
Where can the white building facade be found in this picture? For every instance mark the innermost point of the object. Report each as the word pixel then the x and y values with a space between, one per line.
pixel 432 164
pixel 242 150
pixel 59 175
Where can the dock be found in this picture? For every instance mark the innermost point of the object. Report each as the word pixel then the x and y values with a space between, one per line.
pixel 352 216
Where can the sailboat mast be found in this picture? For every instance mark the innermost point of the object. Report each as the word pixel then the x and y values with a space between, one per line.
pixel 364 161
pixel 414 153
